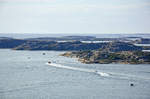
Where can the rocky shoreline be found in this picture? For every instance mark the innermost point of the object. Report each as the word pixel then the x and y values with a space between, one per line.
pixel 101 57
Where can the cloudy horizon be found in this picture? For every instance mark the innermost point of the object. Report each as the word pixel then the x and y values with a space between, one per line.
pixel 80 16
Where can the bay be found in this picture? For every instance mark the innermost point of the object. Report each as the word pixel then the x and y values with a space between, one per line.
pixel 26 75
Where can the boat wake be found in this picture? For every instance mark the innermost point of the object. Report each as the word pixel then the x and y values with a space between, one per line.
pixel 78 69
pixel 101 73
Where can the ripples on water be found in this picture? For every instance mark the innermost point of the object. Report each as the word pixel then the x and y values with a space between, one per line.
pixel 30 78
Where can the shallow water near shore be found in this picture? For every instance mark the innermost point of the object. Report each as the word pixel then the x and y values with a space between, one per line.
pixel 26 75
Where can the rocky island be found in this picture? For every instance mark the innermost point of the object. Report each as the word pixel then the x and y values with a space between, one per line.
pixel 116 52
pixel 74 43
pixel 87 48
pixel 101 57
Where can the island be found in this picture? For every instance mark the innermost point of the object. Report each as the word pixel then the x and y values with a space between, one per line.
pixel 88 49
pixel 103 57
pixel 74 43
pixel 114 52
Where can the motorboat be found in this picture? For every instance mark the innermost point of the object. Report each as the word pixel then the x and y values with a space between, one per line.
pixel 49 62
pixel 131 84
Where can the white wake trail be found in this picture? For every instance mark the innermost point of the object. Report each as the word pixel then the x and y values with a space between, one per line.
pixel 100 73
pixel 78 69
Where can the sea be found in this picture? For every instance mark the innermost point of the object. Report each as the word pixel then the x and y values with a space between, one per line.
pixel 28 75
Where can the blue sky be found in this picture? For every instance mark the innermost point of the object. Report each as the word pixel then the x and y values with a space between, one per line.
pixel 74 16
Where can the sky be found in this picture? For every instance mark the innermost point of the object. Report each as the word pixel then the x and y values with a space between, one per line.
pixel 74 16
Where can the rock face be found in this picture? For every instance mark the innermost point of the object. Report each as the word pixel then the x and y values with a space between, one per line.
pixel 103 57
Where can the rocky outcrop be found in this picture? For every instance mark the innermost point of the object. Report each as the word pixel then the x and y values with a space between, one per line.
pixel 103 57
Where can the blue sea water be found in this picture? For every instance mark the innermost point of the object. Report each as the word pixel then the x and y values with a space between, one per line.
pixel 26 75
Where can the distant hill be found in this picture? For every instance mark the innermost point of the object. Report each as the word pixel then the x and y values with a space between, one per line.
pixel 71 43
pixel 61 46
pixel 10 42
pixel 66 38
pixel 1 38
pixel 120 46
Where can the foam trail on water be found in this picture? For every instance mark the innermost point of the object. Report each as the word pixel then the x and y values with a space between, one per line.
pixel 101 73
pixel 78 69
pixel 71 68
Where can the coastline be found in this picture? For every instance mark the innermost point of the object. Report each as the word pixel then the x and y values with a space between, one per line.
pixel 100 57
